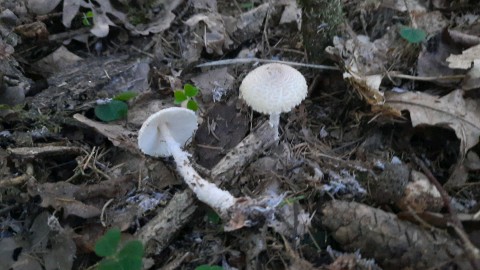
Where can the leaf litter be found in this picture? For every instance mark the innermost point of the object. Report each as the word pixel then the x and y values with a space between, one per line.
pixel 390 133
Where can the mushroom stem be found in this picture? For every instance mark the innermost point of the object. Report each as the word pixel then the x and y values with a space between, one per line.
pixel 274 123
pixel 220 200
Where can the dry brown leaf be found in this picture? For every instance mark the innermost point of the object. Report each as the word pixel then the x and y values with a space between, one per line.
pixel 367 86
pixel 452 111
pixel 464 60
pixel 117 134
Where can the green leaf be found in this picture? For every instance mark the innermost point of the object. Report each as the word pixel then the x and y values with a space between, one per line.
pixel 111 111
pixel 213 217
pixel 192 105
pixel 190 90
pixel 179 96
pixel 208 267
pixel 131 263
pixel 107 245
pixel 86 17
pixel 132 249
pixel 125 96
pixel 109 264
pixel 413 35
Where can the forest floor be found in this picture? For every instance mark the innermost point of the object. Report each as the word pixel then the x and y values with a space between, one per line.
pixel 378 168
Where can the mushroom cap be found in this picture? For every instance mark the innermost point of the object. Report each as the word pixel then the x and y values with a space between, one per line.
pixel 181 123
pixel 273 88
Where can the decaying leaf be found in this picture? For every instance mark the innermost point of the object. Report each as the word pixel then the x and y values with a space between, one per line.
pixel 367 86
pixel 472 78
pixel 450 111
pixel 70 9
pixel 160 22
pixel 79 200
pixel 56 61
pixel 211 27
pixel 40 7
pixel 464 60
pixel 215 83
pixel 117 134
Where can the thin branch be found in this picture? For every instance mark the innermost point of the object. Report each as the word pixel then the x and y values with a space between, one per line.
pixel 456 223
pixel 238 61
pixel 396 74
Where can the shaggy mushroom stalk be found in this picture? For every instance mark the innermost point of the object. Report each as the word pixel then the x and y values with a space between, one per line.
pixel 220 200
pixel 163 134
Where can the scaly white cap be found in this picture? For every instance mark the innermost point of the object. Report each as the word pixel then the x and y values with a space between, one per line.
pixel 273 88
pixel 178 123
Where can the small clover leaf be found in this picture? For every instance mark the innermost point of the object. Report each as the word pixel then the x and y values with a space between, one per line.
pixel 413 35
pixel 131 263
pixel 192 105
pixel 208 267
pixel 109 264
pixel 86 18
pixel 132 249
pixel 190 90
pixel 125 96
pixel 111 111
pixel 107 245
pixel 179 96
pixel 128 258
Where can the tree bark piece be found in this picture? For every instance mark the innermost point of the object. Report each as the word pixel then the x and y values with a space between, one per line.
pixel 393 243
pixel 157 234
pixel 235 161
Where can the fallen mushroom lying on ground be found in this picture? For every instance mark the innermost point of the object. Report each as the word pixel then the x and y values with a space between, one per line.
pixel 164 133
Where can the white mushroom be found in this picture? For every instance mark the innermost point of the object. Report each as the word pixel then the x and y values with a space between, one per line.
pixel 273 89
pixel 163 134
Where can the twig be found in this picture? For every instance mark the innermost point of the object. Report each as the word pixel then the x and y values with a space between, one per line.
pixel 456 223
pixel 104 208
pixel 253 60
pixel 393 74
pixel 396 74
pixel 443 193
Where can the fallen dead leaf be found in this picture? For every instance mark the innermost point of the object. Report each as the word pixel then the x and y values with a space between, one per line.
pixel 367 86
pixel 56 61
pixel 117 134
pixel 472 78
pixel 450 111
pixel 464 60
pixel 79 200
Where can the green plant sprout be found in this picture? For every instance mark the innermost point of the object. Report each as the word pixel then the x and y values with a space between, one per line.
pixel 114 109
pixel 186 96
pixel 86 18
pixel 290 201
pixel 129 257
pixel 412 35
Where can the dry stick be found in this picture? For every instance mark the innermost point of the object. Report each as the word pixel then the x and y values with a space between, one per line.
pixel 393 74
pixel 456 223
pixel 254 60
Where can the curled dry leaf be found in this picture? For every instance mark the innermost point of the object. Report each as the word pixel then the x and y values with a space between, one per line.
pixel 450 111
pixel 368 87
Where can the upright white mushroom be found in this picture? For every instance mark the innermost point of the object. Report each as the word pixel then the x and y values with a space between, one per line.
pixel 163 134
pixel 273 89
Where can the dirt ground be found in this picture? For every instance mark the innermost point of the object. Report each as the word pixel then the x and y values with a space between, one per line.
pixel 377 168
